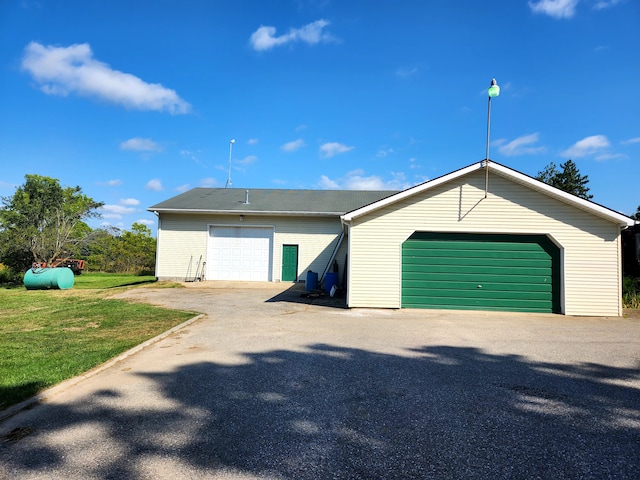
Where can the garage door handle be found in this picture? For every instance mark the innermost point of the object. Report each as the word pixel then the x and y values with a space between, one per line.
pixel 479 286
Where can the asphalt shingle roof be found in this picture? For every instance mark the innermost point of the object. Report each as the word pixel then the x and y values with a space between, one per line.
pixel 233 200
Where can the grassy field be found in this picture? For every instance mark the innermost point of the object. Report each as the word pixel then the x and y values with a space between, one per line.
pixel 47 336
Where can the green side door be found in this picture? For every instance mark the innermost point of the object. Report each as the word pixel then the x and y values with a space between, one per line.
pixel 289 263
pixel 519 273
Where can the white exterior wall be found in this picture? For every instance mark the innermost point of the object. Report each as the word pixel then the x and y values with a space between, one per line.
pixel 589 245
pixel 182 236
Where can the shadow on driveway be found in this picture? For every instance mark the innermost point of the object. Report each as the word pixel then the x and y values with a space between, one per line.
pixel 297 294
pixel 328 412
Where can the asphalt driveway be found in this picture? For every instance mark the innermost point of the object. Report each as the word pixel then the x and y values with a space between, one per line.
pixel 268 385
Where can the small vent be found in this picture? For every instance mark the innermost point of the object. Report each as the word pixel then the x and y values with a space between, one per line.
pixel 246 197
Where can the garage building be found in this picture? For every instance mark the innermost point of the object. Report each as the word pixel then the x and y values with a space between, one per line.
pixel 510 244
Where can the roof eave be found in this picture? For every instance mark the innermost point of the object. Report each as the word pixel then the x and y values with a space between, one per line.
pixel 196 211
pixel 593 208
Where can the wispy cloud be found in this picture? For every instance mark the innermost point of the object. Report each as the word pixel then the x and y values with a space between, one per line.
pixel 524 145
pixel 192 155
pixel 248 160
pixel 115 211
pixel 384 151
pixel 110 183
pixel 129 201
pixel 609 156
pixel 357 180
pixel 293 146
pixel 406 72
pixel 605 4
pixel 146 222
pixel 65 70
pixel 140 145
pixel 208 182
pixel 587 146
pixel 264 38
pixel 630 141
pixel 154 184
pixel 331 149
pixel 554 8
pixel 252 141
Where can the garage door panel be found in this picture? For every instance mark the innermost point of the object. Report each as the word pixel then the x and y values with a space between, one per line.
pixel 480 271
pixel 477 269
pixel 475 294
pixel 489 305
pixel 474 279
pixel 471 285
pixel 478 261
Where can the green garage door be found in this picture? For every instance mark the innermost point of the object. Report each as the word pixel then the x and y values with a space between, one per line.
pixel 519 273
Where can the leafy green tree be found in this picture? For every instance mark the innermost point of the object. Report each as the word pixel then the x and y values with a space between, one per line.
pixel 121 251
pixel 636 216
pixel 568 179
pixel 140 247
pixel 43 221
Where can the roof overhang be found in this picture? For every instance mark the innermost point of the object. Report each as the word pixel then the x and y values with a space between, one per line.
pixel 244 212
pixel 496 168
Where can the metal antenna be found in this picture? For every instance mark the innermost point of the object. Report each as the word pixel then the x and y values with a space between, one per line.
pixel 494 91
pixel 231 142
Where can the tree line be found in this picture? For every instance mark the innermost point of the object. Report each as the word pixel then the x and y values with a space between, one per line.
pixel 44 222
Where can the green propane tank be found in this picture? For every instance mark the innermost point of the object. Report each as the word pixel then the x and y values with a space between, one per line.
pixel 44 278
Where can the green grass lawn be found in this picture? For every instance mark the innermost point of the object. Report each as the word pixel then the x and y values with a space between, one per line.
pixel 47 336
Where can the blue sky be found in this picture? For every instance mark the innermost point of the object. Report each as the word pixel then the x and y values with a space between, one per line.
pixel 137 101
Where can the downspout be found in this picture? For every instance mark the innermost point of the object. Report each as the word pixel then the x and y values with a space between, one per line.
pixel 333 256
pixel 346 226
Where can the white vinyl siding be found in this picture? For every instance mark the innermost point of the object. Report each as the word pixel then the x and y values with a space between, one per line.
pixel 589 245
pixel 183 236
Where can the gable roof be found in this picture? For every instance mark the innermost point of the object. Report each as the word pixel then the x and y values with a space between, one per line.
pixel 269 201
pixel 506 172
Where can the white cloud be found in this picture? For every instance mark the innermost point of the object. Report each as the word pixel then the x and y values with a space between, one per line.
pixel 252 141
pixel 183 188
pixel 301 127
pixel 605 4
pixel 209 182
pixel 523 145
pixel 356 180
pixel 333 148
pixel 144 221
pixel 248 160
pixel 264 37
pixel 406 72
pixel 115 211
pixel 191 155
pixel 154 184
pixel 293 146
pixel 631 140
pixel 587 146
pixel 327 184
pixel 129 201
pixel 110 183
pixel 383 152
pixel 65 70
pixel 555 8
pixel 140 145
pixel 610 156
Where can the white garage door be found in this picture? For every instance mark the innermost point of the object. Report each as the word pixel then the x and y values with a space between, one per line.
pixel 239 253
